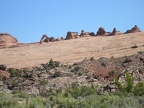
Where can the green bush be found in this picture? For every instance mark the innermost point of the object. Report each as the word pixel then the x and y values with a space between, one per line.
pixel 53 64
pixel 82 91
pixel 92 58
pixel 57 74
pixel 130 83
pixel 139 89
pixel 119 85
pixel 22 95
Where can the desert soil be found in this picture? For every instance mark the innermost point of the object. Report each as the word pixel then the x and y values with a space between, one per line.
pixel 71 51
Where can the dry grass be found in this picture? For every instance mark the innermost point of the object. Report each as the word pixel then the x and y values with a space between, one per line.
pixel 74 50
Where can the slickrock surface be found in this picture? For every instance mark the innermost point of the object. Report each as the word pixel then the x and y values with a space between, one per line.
pixel 74 50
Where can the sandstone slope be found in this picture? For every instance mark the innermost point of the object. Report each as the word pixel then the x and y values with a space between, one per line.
pixel 74 50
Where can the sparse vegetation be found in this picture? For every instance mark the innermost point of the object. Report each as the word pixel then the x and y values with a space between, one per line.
pixel 137 90
pixel 57 74
pixel 53 64
pixel 92 58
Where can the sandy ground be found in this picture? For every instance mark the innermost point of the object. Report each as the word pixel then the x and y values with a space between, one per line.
pixel 71 51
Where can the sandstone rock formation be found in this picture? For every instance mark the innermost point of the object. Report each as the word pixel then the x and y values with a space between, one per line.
pixel 92 34
pixel 44 38
pixel 115 32
pixel 82 33
pixel 101 32
pixel 86 34
pixel 52 39
pixel 6 40
pixel 72 35
pixel 134 29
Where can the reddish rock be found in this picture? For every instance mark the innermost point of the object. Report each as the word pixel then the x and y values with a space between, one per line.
pixel 6 40
pixel 86 34
pixel 82 33
pixel 115 32
pixel 92 34
pixel 52 39
pixel 101 32
pixel 134 29
pixel 72 35
pixel 44 38
pixel 3 67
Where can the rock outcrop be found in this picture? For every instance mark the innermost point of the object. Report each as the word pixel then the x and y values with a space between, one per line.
pixel 52 39
pixel 3 72
pixel 133 30
pixel 101 32
pixel 115 32
pixel 86 34
pixel 45 38
pixel 72 35
pixel 6 40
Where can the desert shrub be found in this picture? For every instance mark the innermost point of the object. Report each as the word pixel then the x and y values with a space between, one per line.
pixel 12 72
pixel 130 83
pixel 57 63
pixel 57 74
pixel 111 73
pixel 139 89
pixel 82 91
pixel 92 58
pixel 119 85
pixel 76 69
pixel 22 95
pixel 129 88
pixel 80 73
pixel 53 64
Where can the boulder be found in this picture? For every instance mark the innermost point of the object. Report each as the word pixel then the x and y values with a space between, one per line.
pixel 52 39
pixel 92 34
pixel 72 35
pixel 133 30
pixel 7 40
pixel 3 67
pixel 115 32
pixel 101 32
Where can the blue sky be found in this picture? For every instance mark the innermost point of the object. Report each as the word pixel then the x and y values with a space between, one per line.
pixel 28 20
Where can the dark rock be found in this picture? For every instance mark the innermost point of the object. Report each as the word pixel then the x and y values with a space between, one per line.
pixel 115 32
pixel 52 39
pixel 134 29
pixel 101 32
pixel 92 34
pixel 44 38
pixel 72 35
pixel 127 60
pixel 3 67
